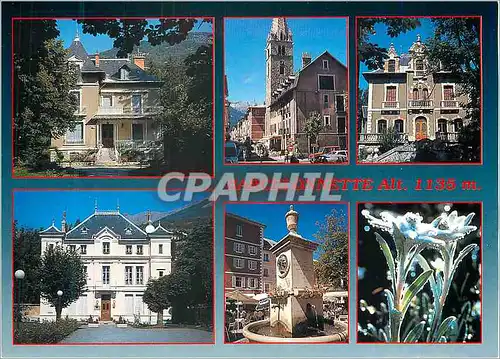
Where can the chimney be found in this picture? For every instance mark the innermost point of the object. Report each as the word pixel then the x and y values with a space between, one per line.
pixel 306 59
pixel 63 222
pixel 139 60
pixel 96 62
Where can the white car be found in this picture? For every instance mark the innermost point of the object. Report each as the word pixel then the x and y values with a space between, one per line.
pixel 336 156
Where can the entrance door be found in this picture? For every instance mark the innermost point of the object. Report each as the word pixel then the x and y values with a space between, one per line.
pixel 420 128
pixel 106 307
pixel 107 135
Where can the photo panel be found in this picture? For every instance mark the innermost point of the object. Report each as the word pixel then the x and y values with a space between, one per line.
pixel 419 272
pixel 286 90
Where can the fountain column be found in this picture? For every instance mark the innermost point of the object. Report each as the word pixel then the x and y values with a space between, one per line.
pixel 296 300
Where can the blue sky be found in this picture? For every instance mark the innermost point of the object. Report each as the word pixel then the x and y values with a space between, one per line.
pixel 273 216
pixel 35 209
pixel 93 44
pixel 402 43
pixel 245 42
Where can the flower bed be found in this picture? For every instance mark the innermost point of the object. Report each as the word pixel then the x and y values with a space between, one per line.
pixel 44 332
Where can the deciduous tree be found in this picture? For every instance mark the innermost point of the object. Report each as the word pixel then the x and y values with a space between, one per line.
pixel 27 257
pixel 313 126
pixel 156 297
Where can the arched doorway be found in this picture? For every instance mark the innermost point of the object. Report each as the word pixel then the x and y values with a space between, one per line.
pixel 420 128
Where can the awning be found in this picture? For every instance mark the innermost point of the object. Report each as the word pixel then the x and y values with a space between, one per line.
pixel 240 297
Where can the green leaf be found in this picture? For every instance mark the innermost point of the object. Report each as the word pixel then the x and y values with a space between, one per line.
pixel 447 328
pixel 432 281
pixel 414 288
pixel 461 256
pixel 415 333
pixel 388 257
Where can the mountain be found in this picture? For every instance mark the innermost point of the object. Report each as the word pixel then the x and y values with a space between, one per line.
pixel 186 216
pixel 140 218
pixel 164 52
pixel 237 110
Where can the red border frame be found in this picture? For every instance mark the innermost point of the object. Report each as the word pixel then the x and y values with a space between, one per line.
pixel 481 89
pixel 358 204
pixel 14 190
pixel 212 18
pixel 348 265
pixel 347 92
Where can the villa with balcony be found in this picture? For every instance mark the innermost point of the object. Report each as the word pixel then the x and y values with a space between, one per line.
pixel 417 103
pixel 118 101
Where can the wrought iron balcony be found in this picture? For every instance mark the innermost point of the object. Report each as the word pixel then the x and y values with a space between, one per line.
pixel 366 138
pixel 390 104
pixel 420 103
pixel 128 110
pixel 447 136
pixel 449 104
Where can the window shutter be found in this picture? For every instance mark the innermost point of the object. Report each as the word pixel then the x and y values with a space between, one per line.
pixel 233 281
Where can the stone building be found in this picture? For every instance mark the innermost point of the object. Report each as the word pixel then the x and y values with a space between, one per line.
pixel 268 266
pixel 320 86
pixel 117 101
pixel 243 254
pixel 251 125
pixel 415 101
pixel 119 258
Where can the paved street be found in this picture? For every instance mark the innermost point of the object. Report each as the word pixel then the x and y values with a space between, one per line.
pixel 112 334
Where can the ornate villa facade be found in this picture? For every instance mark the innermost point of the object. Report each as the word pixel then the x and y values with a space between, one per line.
pixel 413 100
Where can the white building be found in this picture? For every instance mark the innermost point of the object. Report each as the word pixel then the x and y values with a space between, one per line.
pixel 119 259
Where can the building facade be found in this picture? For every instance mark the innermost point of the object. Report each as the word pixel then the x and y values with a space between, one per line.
pixel 119 258
pixel 117 101
pixel 251 125
pixel 413 99
pixel 243 254
pixel 268 266
pixel 320 86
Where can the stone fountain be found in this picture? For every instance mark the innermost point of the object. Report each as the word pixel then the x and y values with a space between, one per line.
pixel 296 311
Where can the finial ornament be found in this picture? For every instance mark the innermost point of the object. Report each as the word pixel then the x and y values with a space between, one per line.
pixel 292 220
pixel 418 38
pixel 95 205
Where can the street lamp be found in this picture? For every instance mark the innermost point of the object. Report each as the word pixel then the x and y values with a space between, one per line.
pixel 19 275
pixel 59 294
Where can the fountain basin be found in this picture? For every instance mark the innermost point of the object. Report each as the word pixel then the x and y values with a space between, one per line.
pixel 250 331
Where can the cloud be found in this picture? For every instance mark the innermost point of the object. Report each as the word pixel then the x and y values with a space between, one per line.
pixel 247 80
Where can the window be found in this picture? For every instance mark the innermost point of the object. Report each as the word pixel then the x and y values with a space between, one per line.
pixel 325 65
pixel 160 273
pixel 382 126
pixel 252 283
pixel 107 100
pixel 72 248
pixel 442 125
pixel 325 101
pixel 266 272
pixel 160 248
pixel 105 248
pixel 139 275
pixel 128 275
pixel 391 66
pixel 51 246
pixel 419 65
pixel 266 257
pixel 139 249
pixel 239 247
pixel 239 282
pixel 83 249
pixel 390 93
pixel 252 250
pixel 415 94
pixel 448 93
pixel 326 82
pixel 128 249
pixel 425 94
pixel 282 68
pixel 238 263
pixel 123 74
pixel 341 126
pixel 398 126
pixel 239 230
pixel 137 132
pixel 267 287
pixel 252 265
pixel 76 96
pixel 339 102
pixel 136 103
pixel 458 124
pixel 76 135
pixel 326 120
pixel 105 275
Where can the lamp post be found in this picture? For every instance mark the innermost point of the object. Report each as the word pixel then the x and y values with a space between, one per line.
pixel 19 275
pixel 59 294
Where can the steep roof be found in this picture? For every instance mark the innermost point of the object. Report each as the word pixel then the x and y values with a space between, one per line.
pixel 52 230
pixel 77 50
pixel 268 243
pixel 160 231
pixel 113 220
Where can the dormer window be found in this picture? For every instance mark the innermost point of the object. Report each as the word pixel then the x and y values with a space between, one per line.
pixel 84 230
pixel 419 65
pixel 123 74
pixel 391 66
pixel 128 230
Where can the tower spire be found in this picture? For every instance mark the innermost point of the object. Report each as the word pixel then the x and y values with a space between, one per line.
pixel 77 32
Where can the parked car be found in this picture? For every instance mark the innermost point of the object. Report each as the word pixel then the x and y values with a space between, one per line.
pixel 337 156
pixel 230 152
pixel 316 157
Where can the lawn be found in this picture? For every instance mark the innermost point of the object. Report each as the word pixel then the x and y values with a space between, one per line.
pixel 44 332
pixel 21 171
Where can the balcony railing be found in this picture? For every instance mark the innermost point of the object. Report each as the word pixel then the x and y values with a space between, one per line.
pixel 81 111
pixel 390 104
pixel 420 103
pixel 377 137
pixel 127 110
pixel 419 73
pixel 447 136
pixel 449 104
pixel 73 141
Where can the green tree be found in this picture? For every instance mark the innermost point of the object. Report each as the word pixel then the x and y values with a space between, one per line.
pixel 61 270
pixel 362 101
pixel 389 140
pixel 312 128
pixel 455 47
pixel 331 268
pixel 27 248
pixel 156 297
pixel 43 106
